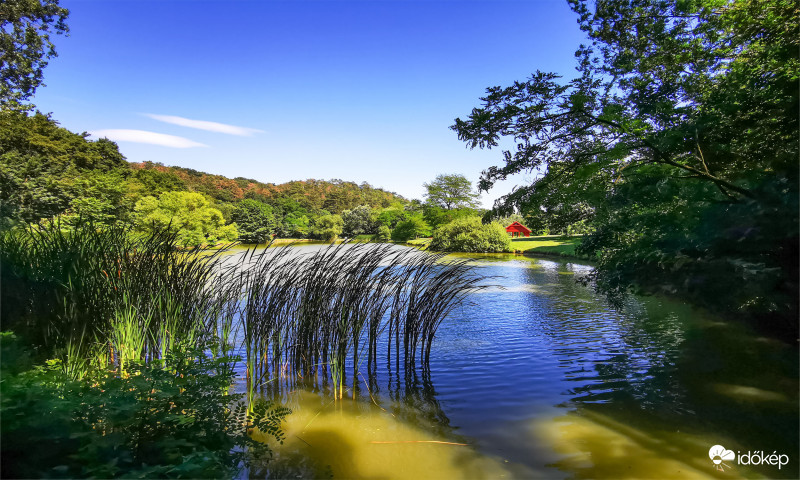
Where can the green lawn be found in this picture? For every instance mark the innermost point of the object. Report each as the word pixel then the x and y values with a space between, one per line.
pixel 420 242
pixel 547 244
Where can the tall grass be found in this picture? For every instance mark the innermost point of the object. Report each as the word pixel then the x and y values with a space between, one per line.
pixel 291 315
pixel 62 287
pixel 315 314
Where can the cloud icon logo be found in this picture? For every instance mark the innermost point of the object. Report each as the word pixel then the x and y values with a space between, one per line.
pixel 718 453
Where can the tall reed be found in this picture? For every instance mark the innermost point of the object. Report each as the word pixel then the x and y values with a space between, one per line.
pixel 310 314
pixel 293 315
pixel 62 286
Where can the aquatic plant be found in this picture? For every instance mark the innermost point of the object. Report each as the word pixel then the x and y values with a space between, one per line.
pixel 293 315
pixel 62 287
pixel 309 314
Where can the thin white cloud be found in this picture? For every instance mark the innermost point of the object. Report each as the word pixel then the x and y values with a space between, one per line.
pixel 143 136
pixel 204 125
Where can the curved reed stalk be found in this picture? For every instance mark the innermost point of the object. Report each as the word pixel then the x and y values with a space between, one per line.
pixel 305 314
pixel 292 314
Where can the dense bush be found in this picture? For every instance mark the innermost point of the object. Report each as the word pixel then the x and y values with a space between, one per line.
pixel 327 227
pixel 358 221
pixel 254 220
pixel 412 227
pixel 470 235
pixel 171 418
pixel 189 214
pixel 384 234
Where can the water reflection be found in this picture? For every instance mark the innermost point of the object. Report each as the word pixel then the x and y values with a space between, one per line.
pixel 542 378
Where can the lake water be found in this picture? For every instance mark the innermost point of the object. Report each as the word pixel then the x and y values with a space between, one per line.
pixel 539 377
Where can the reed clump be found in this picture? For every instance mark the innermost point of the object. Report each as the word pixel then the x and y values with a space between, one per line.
pixel 314 314
pixel 106 295
pixel 111 297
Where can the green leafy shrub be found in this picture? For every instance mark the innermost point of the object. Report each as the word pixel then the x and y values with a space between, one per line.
pixel 327 227
pixel 410 228
pixel 384 234
pixel 170 418
pixel 358 221
pixel 470 235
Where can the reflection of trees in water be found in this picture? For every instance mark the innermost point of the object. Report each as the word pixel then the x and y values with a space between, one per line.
pixel 667 362
pixel 627 356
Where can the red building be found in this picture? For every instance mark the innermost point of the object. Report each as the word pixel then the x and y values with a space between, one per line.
pixel 517 229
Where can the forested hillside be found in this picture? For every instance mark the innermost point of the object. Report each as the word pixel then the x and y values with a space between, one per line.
pixel 49 172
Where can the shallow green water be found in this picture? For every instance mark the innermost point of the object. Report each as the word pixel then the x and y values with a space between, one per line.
pixel 540 377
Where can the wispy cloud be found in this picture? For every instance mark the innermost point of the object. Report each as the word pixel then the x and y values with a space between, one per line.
pixel 143 136
pixel 205 125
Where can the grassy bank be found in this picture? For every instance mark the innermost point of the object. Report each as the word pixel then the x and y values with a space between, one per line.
pixel 551 245
pixel 556 245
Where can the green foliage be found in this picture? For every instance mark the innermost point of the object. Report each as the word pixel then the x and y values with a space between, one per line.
pixel 506 220
pixel 436 215
pixel 327 227
pixel 26 46
pixel 470 235
pixel 384 234
pixel 254 220
pixel 62 288
pixel 358 221
pixel 46 170
pixel 389 217
pixel 451 191
pixel 684 116
pixel 581 227
pixel 172 418
pixel 187 213
pixel 414 226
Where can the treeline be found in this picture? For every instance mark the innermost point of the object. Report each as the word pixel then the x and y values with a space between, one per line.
pixel 675 148
pixel 48 172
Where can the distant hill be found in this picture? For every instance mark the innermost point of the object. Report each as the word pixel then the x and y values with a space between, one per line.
pixel 47 171
pixel 334 195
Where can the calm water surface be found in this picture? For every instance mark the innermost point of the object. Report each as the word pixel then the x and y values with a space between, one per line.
pixel 538 377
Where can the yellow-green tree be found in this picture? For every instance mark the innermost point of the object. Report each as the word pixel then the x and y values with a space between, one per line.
pixel 189 214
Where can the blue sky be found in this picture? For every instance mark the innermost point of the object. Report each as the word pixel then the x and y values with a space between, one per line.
pixel 356 90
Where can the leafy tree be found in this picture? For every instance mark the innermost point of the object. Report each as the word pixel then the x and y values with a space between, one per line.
pixel 327 227
pixel 412 227
pixel 470 235
pixel 358 221
pixel 384 234
pixel 679 138
pixel 436 215
pixel 295 225
pixel 101 199
pixel 44 167
pixel 390 216
pixel 508 219
pixel 254 220
pixel 26 46
pixel 451 191
pixel 189 213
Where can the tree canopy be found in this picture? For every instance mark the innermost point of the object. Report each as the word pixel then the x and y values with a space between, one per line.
pixel 678 140
pixel 449 191
pixel 255 221
pixel 26 27
pixel 188 213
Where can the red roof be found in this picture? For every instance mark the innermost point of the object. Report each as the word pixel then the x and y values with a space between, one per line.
pixel 518 227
